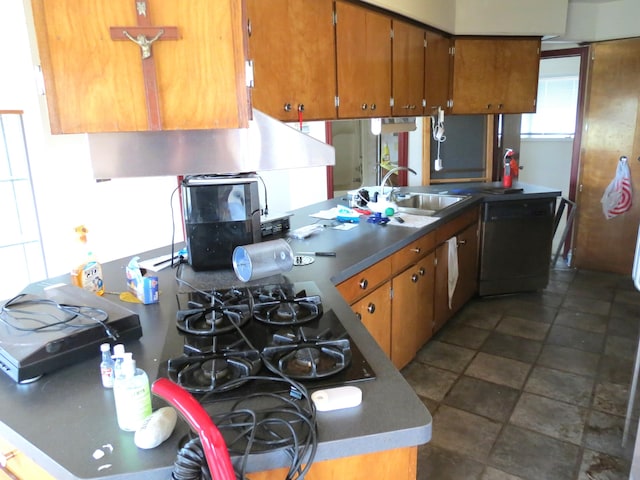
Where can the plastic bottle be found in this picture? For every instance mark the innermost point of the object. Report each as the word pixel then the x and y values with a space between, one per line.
pixel 87 271
pixel 132 395
pixel 118 357
pixel 106 366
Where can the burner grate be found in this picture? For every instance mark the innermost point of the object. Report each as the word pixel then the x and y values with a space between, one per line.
pixel 215 372
pixel 283 327
pixel 213 321
pixel 309 360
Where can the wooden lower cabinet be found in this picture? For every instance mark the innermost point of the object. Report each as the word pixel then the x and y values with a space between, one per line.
pixel 398 464
pixel 467 284
pixel 20 465
pixel 403 299
pixel 412 310
pixel 374 311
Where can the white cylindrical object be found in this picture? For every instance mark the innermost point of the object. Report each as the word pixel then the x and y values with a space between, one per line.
pixel 259 260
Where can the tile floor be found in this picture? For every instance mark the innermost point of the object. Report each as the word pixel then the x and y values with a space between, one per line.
pixel 532 386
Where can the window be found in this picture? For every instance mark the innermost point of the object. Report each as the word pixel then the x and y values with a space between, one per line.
pixel 21 253
pixel 555 115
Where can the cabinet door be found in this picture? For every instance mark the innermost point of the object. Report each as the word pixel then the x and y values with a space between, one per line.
pixel 474 71
pixel 374 311
pixel 495 75
pixel 412 310
pixel 437 72
pixel 522 56
pixel 292 45
pixel 467 283
pixel 96 84
pixel 363 52
pixel 426 291
pixel 408 69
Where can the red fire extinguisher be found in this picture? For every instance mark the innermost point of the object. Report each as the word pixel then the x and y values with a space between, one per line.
pixel 508 172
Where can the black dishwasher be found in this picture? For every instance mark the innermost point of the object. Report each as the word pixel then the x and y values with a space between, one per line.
pixel 516 240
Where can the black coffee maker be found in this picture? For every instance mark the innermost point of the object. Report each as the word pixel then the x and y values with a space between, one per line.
pixel 220 213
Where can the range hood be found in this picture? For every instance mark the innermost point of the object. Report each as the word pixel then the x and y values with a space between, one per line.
pixel 267 144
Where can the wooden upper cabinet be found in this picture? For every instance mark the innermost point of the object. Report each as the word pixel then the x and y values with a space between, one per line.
pixel 437 72
pixel 195 73
pixel 363 46
pixel 292 45
pixel 495 75
pixel 408 69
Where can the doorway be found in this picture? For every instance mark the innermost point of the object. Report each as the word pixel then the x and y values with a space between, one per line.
pixel 548 142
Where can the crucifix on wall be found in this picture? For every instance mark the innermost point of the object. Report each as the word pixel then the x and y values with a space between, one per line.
pixel 144 34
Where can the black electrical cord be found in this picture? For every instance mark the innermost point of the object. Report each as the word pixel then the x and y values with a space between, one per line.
pixel 173 232
pixel 22 308
pixel 287 423
pixel 190 463
pixel 266 203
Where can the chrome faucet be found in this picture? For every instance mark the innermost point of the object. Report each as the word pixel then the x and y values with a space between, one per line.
pixel 389 173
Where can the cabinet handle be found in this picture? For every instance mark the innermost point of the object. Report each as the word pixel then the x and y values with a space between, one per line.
pixel 406 107
pixel 488 106
pixel 371 308
pixel 412 107
pixel 364 106
pixel 373 106
pixel 249 27
pixel 301 107
pixel 363 283
pixel 500 106
pixel 359 316
pixel 287 107
pixel 414 278
pixel 462 242
pixel 421 272
pixel 416 250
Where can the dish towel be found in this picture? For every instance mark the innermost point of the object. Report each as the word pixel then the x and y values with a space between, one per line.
pixel 453 267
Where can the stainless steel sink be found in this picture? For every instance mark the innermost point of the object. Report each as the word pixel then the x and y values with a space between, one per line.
pixel 425 203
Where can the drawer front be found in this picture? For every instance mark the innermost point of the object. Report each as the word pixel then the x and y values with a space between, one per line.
pixel 366 281
pixel 449 229
pixel 412 252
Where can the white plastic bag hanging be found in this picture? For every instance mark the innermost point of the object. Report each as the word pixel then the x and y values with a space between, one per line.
pixel 618 195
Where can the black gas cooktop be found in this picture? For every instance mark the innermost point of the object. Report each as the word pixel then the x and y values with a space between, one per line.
pixel 232 342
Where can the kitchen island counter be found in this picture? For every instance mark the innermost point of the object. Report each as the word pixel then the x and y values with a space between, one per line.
pixel 61 420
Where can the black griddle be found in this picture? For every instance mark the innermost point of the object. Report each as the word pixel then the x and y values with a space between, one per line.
pixel 27 355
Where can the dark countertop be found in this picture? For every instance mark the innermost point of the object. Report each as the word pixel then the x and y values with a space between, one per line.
pixel 61 419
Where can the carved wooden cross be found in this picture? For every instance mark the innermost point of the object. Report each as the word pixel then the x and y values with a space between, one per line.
pixel 144 34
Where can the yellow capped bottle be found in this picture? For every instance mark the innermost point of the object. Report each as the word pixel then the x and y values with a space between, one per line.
pixel 87 273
